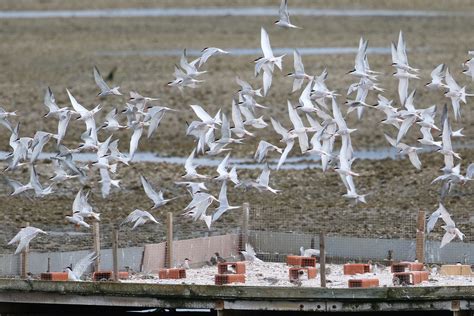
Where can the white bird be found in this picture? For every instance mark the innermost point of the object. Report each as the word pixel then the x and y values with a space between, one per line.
pixel 193 187
pixel 225 175
pixel 86 115
pixel 400 59
pixel 50 103
pixel 441 212
pixel 205 117
pixel 75 274
pixel 309 252
pixel 268 61
pixel 77 220
pixel 40 139
pixel 284 20
pixel 111 124
pixel 135 139
pixel 156 197
pixel 208 52
pixel 298 128
pixel 154 117
pixel 139 218
pixel 250 254
pixel 190 168
pixel 404 149
pixel 246 88
pixel 239 128
pixel 451 233
pixel 223 203
pixel 262 150
pixel 82 207
pixel 437 76
pixel 104 88
pixel 456 94
pixel 262 183
pixel 299 75
pixel 250 118
pixel 24 236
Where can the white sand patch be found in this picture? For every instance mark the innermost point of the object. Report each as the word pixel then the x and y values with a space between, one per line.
pixel 276 274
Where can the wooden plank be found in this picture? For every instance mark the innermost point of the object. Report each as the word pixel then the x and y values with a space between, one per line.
pixel 322 259
pixel 115 242
pixel 169 241
pixel 420 237
pixel 96 243
pixel 25 259
pixel 244 231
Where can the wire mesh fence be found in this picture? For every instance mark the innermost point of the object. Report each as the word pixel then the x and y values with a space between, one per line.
pixel 354 234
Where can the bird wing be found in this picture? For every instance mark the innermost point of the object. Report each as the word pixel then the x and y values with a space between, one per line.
pixel 203 115
pixel 100 81
pixel 289 146
pixel 222 167
pixel 415 161
pixel 82 265
pixel 447 238
pixel 77 107
pixel 50 101
pixel 279 128
pixel 265 43
pixel 297 62
pixel 152 194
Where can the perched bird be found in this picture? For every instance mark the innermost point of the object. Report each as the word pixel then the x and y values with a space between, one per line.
pixel 250 254
pixel 75 273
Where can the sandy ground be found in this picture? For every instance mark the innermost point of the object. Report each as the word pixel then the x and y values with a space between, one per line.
pixel 276 274
pixel 61 52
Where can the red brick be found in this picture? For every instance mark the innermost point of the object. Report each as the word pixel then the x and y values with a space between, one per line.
pixel 174 273
pixel 221 279
pixel 223 267
pixel 54 276
pixel 411 278
pixel 301 261
pixel 123 275
pixel 294 273
pixel 364 283
pixel 405 266
pixel 356 268
pixel 102 276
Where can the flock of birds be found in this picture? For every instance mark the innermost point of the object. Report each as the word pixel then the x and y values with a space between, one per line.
pixel 214 134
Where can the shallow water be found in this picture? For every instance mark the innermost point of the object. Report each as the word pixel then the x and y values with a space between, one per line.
pixel 292 163
pixel 222 11
pixel 245 51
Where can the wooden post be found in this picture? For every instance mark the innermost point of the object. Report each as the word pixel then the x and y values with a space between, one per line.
pixel 169 241
pixel 244 231
pixel 25 262
pixel 420 237
pixel 322 259
pixel 96 243
pixel 49 265
pixel 115 242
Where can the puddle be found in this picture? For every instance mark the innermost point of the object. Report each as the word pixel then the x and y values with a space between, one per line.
pixel 223 11
pixel 245 51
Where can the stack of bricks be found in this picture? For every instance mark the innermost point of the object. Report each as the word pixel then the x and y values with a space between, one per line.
pixel 301 265
pixel 360 268
pixel 108 275
pixel 409 273
pixel 173 273
pixel 54 276
pixel 456 269
pixel 356 268
pixel 230 272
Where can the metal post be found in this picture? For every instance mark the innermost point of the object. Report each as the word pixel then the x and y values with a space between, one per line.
pixel 115 239
pixel 96 244
pixel 420 237
pixel 322 259
pixel 169 241
pixel 25 259
pixel 244 231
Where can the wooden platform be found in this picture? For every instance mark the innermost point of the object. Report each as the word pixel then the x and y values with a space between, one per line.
pixel 236 298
